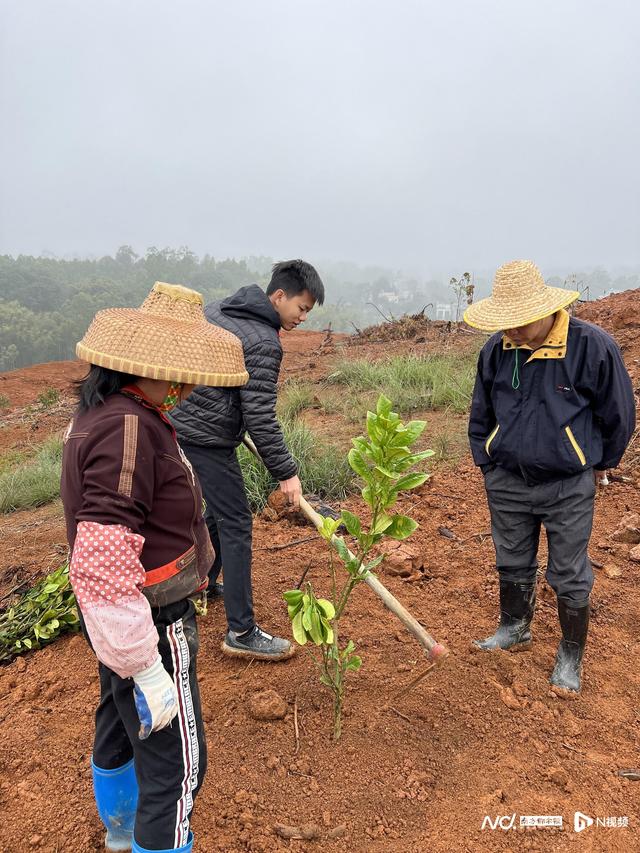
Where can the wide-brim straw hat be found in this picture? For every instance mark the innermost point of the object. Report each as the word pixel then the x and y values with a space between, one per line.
pixel 167 338
pixel 519 296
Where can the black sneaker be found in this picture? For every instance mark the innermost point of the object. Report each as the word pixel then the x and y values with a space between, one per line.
pixel 215 590
pixel 256 643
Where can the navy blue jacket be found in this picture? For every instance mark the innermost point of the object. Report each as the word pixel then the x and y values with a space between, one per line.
pixel 568 406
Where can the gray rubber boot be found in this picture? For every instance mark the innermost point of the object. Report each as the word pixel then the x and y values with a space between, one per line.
pixel 517 605
pixel 574 622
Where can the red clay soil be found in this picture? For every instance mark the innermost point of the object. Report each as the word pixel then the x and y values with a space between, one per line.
pixel 481 735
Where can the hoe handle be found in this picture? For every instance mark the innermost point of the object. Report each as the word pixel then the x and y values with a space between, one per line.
pixel 435 651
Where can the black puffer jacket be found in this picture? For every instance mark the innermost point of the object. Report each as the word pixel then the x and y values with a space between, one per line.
pixel 219 417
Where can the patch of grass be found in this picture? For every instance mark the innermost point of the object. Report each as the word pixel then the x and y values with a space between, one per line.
pixel 294 397
pixel 414 383
pixel 323 469
pixel 49 398
pixel 33 483
pixel 13 458
pixel 450 442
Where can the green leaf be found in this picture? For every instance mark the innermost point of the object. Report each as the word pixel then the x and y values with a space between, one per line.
pixel 341 548
pixel 368 495
pixel 373 430
pixel 383 406
pixel 401 527
pixel 307 616
pixel 354 663
pixel 418 457
pixel 357 463
pixel 385 470
pixel 27 642
pixel 327 608
pixel 329 527
pixel 293 596
pixel 414 429
pixel 351 522
pixel 374 563
pixel 316 628
pixel 328 633
pixel 299 634
pixel 410 481
pixel 361 445
pixel 382 524
pixel 292 609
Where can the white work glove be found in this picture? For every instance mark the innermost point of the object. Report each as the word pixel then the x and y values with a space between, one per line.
pixel 156 698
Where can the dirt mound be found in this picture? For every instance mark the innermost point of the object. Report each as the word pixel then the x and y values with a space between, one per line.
pixel 619 314
pixel 409 327
pixel 618 311
pixel 24 386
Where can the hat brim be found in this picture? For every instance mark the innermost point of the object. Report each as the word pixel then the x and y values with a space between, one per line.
pixel 489 316
pixel 155 347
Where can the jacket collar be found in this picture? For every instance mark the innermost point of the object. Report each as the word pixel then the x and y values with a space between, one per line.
pixel 140 397
pixel 555 346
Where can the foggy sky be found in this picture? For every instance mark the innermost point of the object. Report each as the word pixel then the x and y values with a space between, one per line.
pixel 420 134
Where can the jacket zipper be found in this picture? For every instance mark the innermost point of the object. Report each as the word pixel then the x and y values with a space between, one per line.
pixel 183 467
pixel 575 446
pixel 487 443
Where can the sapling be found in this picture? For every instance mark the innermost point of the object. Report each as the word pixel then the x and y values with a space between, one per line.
pixel 383 459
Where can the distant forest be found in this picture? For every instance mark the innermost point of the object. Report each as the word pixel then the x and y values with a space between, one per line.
pixel 46 303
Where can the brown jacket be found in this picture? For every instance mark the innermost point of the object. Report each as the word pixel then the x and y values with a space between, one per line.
pixel 121 464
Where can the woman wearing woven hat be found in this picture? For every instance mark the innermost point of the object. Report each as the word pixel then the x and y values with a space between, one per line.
pixel 140 549
pixel 552 406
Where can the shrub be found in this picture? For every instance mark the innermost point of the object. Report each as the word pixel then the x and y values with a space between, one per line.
pixel 383 459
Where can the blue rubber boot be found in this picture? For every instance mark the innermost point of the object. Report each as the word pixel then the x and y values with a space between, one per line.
pixel 186 848
pixel 116 793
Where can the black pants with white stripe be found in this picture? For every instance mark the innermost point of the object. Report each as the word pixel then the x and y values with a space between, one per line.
pixel 170 764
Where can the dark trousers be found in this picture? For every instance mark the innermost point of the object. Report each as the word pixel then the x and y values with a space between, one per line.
pixel 170 764
pixel 230 524
pixel 565 507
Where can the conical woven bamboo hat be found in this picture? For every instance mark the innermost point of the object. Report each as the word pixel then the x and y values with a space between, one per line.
pixel 167 338
pixel 519 296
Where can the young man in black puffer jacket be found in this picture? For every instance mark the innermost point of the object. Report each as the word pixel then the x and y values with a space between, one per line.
pixel 210 426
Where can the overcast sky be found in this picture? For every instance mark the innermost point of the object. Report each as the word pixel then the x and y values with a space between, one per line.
pixel 433 135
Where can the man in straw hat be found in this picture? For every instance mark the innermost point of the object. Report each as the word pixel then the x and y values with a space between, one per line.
pixel 139 549
pixel 552 409
pixel 212 423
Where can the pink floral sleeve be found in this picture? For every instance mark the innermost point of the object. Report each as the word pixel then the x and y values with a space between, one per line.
pixel 107 578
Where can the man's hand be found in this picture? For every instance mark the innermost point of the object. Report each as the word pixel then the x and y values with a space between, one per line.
pixel 600 478
pixel 292 489
pixel 156 698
